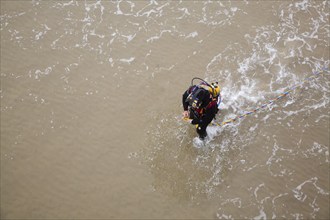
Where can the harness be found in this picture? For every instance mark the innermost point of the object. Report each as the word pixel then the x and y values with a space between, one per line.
pixel 199 112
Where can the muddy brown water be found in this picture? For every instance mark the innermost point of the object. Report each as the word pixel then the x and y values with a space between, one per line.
pixel 91 110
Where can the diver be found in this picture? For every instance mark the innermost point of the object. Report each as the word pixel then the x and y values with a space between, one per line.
pixel 200 105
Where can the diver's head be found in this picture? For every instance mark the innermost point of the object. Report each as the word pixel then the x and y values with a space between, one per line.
pixel 214 89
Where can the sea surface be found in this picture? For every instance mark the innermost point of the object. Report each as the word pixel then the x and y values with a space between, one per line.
pixel 91 113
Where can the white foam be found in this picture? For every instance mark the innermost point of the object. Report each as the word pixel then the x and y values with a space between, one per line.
pixel 127 60
pixel 212 132
pixel 185 13
pixel 198 143
pixel 151 39
pixel 302 5
pixel 118 12
pixel 257 188
pixel 192 35
pixel 39 73
pixel 129 37
pixel 262 215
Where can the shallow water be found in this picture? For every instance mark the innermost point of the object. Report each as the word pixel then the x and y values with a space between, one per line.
pixel 91 109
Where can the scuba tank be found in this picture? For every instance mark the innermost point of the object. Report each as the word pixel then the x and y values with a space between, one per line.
pixel 194 98
pixel 199 96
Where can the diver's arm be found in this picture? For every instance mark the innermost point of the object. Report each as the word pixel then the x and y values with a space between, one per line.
pixel 184 103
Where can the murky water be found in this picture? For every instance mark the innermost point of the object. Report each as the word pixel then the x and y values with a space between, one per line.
pixel 91 115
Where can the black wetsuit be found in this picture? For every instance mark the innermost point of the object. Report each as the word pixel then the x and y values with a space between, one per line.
pixel 204 114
